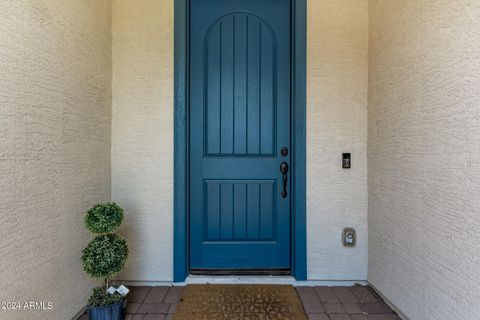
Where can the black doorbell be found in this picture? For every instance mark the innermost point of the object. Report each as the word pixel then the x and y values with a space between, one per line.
pixel 347 161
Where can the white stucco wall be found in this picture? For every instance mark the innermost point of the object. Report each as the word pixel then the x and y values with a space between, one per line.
pixel 424 151
pixel 337 80
pixel 55 105
pixel 142 152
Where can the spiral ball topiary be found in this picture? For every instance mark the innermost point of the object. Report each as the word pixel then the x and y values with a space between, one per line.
pixel 105 256
pixel 104 218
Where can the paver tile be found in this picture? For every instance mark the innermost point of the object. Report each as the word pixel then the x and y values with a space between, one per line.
pixel 375 307
pixel 174 295
pixel 374 317
pixel 173 308
pixel 157 294
pixel 334 308
pixel 383 317
pixel 358 317
pixel 132 307
pixel 352 308
pixel 318 316
pixel 154 317
pixel 310 301
pixel 345 295
pixel 364 294
pixel 138 294
pixel 154 308
pixel 326 294
pixel 339 317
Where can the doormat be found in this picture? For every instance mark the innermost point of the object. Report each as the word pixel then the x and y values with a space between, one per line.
pixel 240 302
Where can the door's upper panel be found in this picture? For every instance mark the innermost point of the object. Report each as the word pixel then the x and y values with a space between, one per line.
pixel 240 87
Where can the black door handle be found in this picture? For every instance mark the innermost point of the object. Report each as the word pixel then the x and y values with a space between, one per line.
pixel 284 171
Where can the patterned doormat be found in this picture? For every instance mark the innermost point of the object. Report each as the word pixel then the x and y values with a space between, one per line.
pixel 239 302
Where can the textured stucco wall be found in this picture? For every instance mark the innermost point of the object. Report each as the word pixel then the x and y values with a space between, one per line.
pixel 337 76
pixel 142 152
pixel 142 135
pixel 55 105
pixel 424 151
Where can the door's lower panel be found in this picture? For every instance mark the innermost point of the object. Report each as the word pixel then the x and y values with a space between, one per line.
pixel 240 210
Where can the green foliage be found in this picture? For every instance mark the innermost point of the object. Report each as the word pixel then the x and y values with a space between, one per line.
pixel 107 253
pixel 104 218
pixel 105 256
pixel 101 297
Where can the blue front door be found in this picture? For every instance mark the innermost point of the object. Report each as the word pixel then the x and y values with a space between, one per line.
pixel 240 109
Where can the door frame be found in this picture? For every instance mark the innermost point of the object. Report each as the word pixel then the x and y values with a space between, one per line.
pixel 181 266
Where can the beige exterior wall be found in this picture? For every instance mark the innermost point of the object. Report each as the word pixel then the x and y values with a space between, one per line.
pixel 142 135
pixel 142 152
pixel 424 151
pixel 55 105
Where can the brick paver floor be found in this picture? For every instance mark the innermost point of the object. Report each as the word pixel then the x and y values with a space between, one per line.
pixel 344 303
pixel 320 303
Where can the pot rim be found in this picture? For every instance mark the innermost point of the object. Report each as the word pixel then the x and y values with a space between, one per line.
pixel 107 305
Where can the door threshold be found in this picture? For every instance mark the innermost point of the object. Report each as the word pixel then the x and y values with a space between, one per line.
pixel 203 279
pixel 240 272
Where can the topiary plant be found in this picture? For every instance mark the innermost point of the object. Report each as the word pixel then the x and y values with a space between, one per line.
pixel 106 255
pixel 104 218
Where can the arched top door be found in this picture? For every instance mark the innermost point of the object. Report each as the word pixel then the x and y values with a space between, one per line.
pixel 239 121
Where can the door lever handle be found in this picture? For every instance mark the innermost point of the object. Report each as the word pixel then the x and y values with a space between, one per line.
pixel 284 171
